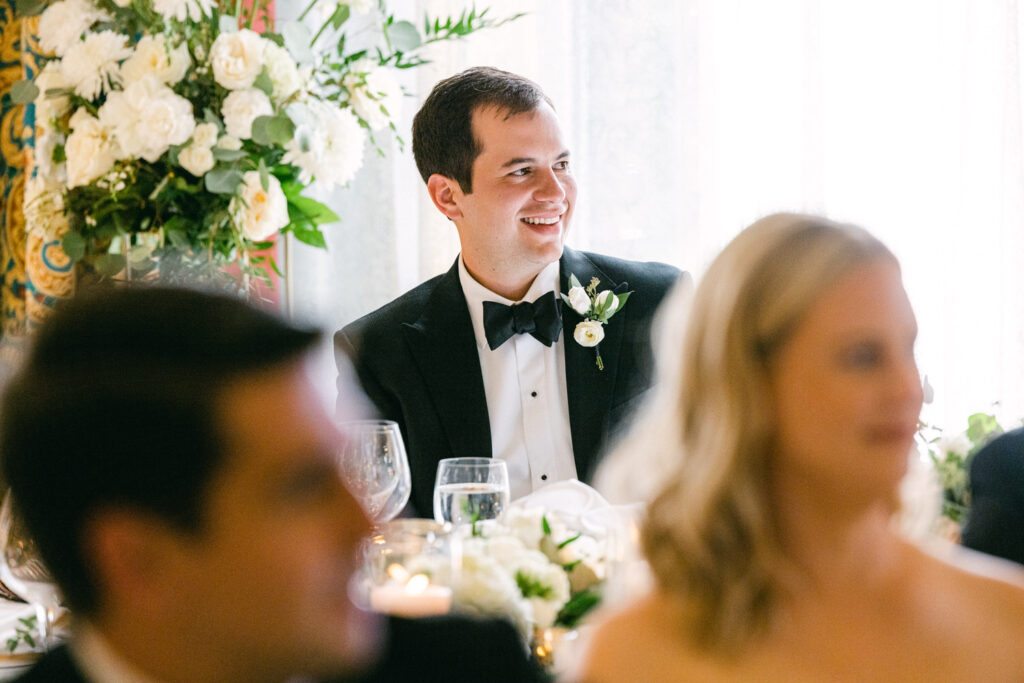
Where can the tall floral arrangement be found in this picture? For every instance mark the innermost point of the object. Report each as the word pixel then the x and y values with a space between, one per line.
pixel 181 135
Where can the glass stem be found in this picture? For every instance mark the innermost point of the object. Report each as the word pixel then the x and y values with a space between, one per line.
pixel 45 616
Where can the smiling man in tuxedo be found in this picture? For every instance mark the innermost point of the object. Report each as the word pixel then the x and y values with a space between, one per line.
pixel 482 361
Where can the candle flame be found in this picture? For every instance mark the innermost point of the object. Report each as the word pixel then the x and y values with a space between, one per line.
pixel 398 573
pixel 417 584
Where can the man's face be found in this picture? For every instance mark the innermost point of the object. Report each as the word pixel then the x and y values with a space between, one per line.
pixel 515 220
pixel 269 571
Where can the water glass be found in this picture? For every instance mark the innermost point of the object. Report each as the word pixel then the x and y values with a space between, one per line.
pixel 470 490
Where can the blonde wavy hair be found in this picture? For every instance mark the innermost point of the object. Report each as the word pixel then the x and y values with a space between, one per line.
pixel 710 535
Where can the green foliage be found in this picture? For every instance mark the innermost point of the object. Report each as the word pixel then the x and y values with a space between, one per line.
pixel 24 92
pixel 530 587
pixel 577 607
pixel 952 460
pixel 26 633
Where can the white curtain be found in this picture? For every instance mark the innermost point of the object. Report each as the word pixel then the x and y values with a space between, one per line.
pixel 690 119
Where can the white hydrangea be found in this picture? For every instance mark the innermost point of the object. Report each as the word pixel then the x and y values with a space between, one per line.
pixel 62 24
pixel 328 143
pixel 194 10
pixel 147 117
pixel 373 90
pixel 90 149
pixel 237 58
pixel 260 213
pixel 241 108
pixel 152 58
pixel 91 66
pixel 283 71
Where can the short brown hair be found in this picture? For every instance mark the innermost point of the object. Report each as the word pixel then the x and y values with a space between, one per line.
pixel 442 134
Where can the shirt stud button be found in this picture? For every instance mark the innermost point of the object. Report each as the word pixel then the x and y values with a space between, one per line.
pixel 543 477
pixel 533 393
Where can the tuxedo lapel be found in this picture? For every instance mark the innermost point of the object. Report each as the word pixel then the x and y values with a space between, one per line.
pixel 443 346
pixel 589 389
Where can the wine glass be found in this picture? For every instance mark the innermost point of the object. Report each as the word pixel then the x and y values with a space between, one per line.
pixel 22 569
pixel 375 467
pixel 469 490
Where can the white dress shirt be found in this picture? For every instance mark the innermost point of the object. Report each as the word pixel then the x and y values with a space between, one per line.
pixel 527 400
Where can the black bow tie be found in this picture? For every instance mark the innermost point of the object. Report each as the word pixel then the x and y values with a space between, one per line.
pixel 541 319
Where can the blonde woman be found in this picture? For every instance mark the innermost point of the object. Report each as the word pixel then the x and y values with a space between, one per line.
pixel 789 410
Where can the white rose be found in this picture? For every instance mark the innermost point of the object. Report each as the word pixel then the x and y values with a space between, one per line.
pixel 237 58
pixel 588 333
pixel 147 117
pixel 91 66
pixel 283 71
pixel 89 149
pixel 205 135
pixel 602 298
pixel 62 24
pixel 328 143
pixel 151 58
pixel 260 213
pixel 229 142
pixel 196 159
pixel 579 300
pixel 241 108
pixel 373 90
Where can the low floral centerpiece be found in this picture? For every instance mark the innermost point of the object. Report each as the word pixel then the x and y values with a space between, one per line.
pixel 532 569
pixel 181 135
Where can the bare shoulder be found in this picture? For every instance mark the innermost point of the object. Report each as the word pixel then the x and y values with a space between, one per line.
pixel 626 644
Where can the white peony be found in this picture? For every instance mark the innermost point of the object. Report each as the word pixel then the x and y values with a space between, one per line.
pixel 579 300
pixel 147 117
pixel 62 24
pixel 374 93
pixel 328 143
pixel 205 135
pixel 91 66
pixel 90 149
pixel 196 159
pixel 260 213
pixel 588 333
pixel 151 58
pixel 180 9
pixel 602 300
pixel 237 58
pixel 283 71
pixel 241 108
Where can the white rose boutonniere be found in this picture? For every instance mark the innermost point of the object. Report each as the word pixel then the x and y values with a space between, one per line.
pixel 596 308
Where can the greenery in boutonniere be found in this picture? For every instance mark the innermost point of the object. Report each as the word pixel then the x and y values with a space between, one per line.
pixel 26 633
pixel 596 308
pixel 183 134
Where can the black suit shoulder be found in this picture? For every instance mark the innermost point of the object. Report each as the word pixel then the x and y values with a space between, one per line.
pixel 651 274
pixel 379 325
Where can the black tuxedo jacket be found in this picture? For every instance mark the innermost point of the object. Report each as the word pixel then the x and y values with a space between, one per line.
pixel 995 521
pixel 56 666
pixel 416 359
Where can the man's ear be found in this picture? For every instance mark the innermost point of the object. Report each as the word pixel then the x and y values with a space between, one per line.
pixel 133 556
pixel 445 193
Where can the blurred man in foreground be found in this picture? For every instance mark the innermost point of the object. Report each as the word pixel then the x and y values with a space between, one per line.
pixel 176 465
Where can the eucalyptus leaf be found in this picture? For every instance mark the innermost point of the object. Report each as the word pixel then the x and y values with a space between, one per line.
pixel 264 176
pixel 24 92
pixel 73 245
pixel 221 154
pixel 281 129
pixel 29 8
pixel 109 265
pixel 315 211
pixel 224 181
pixel 264 83
pixel 404 36
pixel 177 238
pixel 138 254
pixel 261 130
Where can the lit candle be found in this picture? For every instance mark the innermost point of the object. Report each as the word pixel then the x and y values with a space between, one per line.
pixel 416 597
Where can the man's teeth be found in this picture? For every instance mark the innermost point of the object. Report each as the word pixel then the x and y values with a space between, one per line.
pixel 543 221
